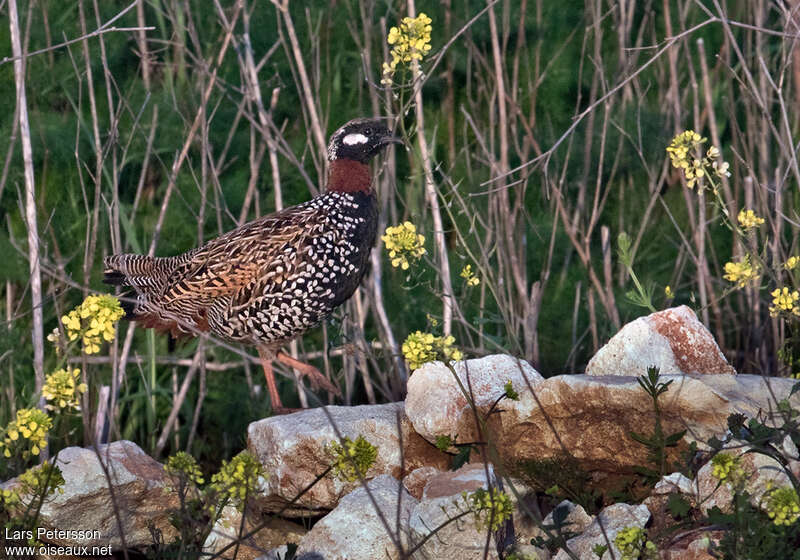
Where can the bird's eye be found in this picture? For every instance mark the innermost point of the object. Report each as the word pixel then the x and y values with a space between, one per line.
pixel 368 132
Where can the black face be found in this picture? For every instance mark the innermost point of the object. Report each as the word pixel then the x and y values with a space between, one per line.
pixel 360 140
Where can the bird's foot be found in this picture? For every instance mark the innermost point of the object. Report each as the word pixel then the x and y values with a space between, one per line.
pixel 315 377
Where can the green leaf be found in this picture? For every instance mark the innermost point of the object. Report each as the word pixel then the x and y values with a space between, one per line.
pixel 678 506
pixel 673 439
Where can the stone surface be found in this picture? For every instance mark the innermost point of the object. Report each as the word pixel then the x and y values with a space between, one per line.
pixel 275 533
pixel 355 531
pixel 673 339
pixel 608 523
pixel 416 480
pixel 693 545
pixel 436 405
pixel 293 450
pixel 440 502
pixel 86 505
pixel 675 483
pixel 576 521
pixel 760 470
pixel 591 417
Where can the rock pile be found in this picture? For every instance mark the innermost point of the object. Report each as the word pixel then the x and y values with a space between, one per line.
pixel 412 501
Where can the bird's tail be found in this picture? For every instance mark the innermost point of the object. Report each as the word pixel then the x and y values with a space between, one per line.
pixel 142 273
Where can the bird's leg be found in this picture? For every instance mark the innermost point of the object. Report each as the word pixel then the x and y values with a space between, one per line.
pixel 269 375
pixel 316 378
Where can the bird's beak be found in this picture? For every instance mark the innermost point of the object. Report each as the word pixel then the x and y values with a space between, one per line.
pixel 392 139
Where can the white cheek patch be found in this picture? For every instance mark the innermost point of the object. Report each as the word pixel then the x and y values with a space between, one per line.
pixel 355 138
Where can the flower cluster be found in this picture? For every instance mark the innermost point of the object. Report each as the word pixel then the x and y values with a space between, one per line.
pixel 33 485
pixel 682 152
pixel 748 219
pixel 791 263
pixel 491 508
pixel 238 478
pixel 404 243
pixel 727 468
pixel 31 424
pixel 784 300
pixel 410 41
pixel 782 505
pixel 741 272
pixel 511 393
pixel 183 465
pixel 469 276
pixel 62 389
pixel 633 544
pixel 352 459
pixel 92 321
pixel 420 348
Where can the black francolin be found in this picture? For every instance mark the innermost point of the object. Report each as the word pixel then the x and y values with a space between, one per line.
pixel 270 280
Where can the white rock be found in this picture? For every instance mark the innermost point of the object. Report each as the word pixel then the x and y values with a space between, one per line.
pixel 140 498
pixel 442 500
pixel 610 521
pixel 269 536
pixel 437 406
pixel 761 472
pixel 294 450
pixel 675 483
pixel 355 530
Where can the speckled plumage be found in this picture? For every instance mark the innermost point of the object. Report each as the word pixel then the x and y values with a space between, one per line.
pixel 265 282
pixel 270 280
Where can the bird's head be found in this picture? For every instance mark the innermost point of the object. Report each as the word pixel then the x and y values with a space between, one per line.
pixel 360 140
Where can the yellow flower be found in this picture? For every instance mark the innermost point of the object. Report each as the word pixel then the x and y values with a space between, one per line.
pixel 404 243
pixel 682 153
pixel 748 219
pixel 92 321
pixel 782 505
pixel 352 459
pixel 791 263
pixel 411 40
pixel 238 478
pixel 727 468
pixel 741 273
pixel 469 276
pixel 63 390
pixel 32 425
pixel 183 465
pixel 668 292
pixel 633 544
pixel 490 508
pixel 420 348
pixel 784 300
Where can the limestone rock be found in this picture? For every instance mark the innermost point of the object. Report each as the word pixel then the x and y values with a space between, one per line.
pixel 436 405
pixel 673 339
pixel 760 470
pixel 441 501
pixel 576 520
pixel 417 479
pixel 591 417
pixel 275 533
pixel 293 450
pixel 610 520
pixel 86 505
pixel 355 531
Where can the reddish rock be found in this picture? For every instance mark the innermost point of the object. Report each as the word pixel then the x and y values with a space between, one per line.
pixel 673 339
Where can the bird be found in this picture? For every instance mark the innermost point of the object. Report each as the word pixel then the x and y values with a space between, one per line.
pixel 270 280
